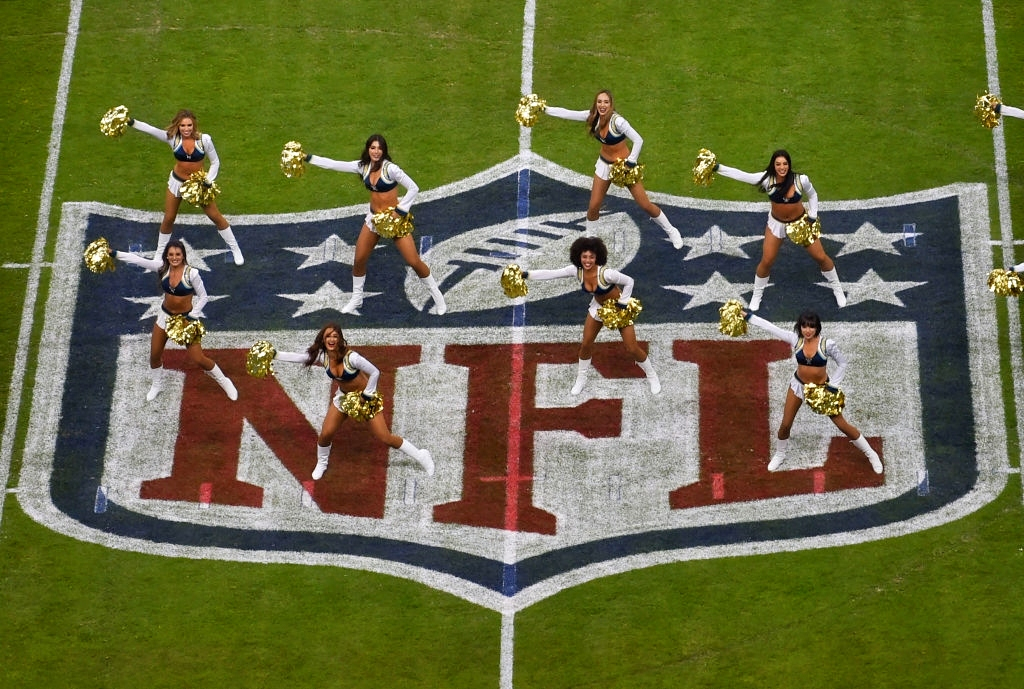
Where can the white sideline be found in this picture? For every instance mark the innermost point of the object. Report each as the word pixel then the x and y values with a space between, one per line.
pixel 14 400
pixel 1005 223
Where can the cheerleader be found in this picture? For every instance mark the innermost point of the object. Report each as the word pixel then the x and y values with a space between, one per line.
pixel 812 353
pixel 184 294
pixel 191 148
pixel 382 176
pixel 787 191
pixel 588 256
pixel 353 373
pixel 612 130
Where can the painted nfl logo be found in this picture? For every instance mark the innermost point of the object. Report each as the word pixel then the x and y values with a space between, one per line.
pixel 535 489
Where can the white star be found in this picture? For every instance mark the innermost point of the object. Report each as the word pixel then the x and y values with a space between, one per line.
pixel 333 248
pixel 715 241
pixel 153 304
pixel 327 297
pixel 871 287
pixel 717 290
pixel 868 238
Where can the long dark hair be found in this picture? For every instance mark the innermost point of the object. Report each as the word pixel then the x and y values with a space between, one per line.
pixel 769 172
pixel 177 243
pixel 594 121
pixel 318 345
pixel 588 244
pixel 808 319
pixel 364 158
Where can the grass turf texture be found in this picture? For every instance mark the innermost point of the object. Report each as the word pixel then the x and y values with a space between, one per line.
pixel 872 102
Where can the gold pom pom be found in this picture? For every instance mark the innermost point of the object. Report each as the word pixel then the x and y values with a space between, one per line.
pixel 259 362
pixel 358 407
pixel 512 282
pixel 114 122
pixel 985 110
pixel 824 399
pixel 185 331
pixel 618 318
pixel 704 168
pixel 1005 283
pixel 626 176
pixel 97 256
pixel 390 227
pixel 197 191
pixel 731 321
pixel 529 107
pixel 803 232
pixel 293 159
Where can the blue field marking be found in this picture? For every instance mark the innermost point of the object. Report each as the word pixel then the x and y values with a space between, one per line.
pixel 518 315
pixel 426 241
pixel 923 487
pixel 508 580
pixel 100 504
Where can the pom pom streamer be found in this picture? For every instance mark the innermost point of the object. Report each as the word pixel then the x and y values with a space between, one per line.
pixel 625 176
pixel 512 282
pixel 803 232
pixel 615 318
pixel 390 227
pixel 358 407
pixel 731 321
pixel 704 168
pixel 184 331
pixel 823 399
pixel 114 122
pixel 197 191
pixel 985 110
pixel 97 256
pixel 293 160
pixel 530 106
pixel 1005 283
pixel 259 362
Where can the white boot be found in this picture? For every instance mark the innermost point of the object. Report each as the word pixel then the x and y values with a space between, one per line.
pixel 670 230
pixel 224 382
pixel 323 455
pixel 837 287
pixel 431 284
pixel 582 367
pixel 229 238
pixel 652 377
pixel 759 284
pixel 161 244
pixel 422 457
pixel 861 444
pixel 157 385
pixel 357 296
pixel 780 454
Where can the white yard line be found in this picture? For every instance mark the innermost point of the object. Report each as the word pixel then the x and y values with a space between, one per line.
pixel 14 394
pixel 1005 223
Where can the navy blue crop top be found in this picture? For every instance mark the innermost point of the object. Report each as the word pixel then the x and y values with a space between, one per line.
pixel 613 136
pixel 183 288
pixel 778 195
pixel 384 182
pixel 820 358
pixel 178 146
pixel 603 286
pixel 348 371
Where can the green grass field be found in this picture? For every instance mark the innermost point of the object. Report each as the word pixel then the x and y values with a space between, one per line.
pixel 872 100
